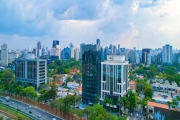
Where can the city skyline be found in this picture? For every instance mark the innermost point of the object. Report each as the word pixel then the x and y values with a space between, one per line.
pixel 145 23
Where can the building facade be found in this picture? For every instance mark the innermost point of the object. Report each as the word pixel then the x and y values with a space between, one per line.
pixel 114 76
pixel 31 71
pixel 146 56
pixel 4 55
pixel 167 54
pixel 91 74
pixel 77 54
pixel 39 49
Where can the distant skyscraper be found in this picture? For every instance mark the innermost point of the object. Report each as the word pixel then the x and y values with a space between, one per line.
pixel 77 54
pixel 30 48
pixel 43 51
pixel 55 51
pixel 72 52
pixel 34 51
pixel 80 54
pixel 132 56
pixel 4 55
pixel 98 41
pixel 55 44
pixel 118 47
pixel 146 56
pixel 70 45
pixel 38 49
pixel 167 54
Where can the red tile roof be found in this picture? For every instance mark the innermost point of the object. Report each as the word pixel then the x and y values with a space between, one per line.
pixel 154 104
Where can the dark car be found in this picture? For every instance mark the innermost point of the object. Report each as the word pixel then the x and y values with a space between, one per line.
pixel 30 111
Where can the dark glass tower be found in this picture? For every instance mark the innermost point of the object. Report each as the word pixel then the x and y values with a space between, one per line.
pixel 91 75
pixel 55 42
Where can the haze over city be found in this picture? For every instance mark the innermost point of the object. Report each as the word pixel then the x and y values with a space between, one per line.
pixel 147 23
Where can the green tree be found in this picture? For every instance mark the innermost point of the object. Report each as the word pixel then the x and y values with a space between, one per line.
pixel 97 113
pixel 132 100
pixel 96 99
pixel 87 111
pixel 120 103
pixel 68 79
pixel 111 103
pixel 105 101
pixel 169 104
pixel 19 90
pixel 148 92
pixel 20 117
pixel 30 92
pixel 80 113
pixel 54 104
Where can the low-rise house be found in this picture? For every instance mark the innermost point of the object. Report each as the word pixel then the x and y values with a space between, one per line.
pixel 72 85
pixel 151 109
pixel 132 85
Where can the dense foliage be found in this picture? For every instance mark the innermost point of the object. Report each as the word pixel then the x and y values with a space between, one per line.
pixel 63 67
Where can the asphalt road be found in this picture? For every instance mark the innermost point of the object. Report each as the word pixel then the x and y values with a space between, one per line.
pixel 35 111
pixel 139 112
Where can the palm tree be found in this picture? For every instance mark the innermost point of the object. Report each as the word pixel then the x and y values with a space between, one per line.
pixel 96 99
pixel 105 101
pixel 169 104
pixel 111 102
pixel 174 102
pixel 120 103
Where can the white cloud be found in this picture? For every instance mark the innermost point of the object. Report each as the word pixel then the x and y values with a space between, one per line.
pixel 149 23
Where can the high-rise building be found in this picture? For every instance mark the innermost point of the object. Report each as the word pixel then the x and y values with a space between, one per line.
pixel 31 71
pixel 4 55
pixel 80 54
pixel 98 41
pixel 55 44
pixel 132 56
pixel 70 45
pixel 114 77
pixel 167 54
pixel 34 51
pixel 65 53
pixel 38 49
pixel 146 56
pixel 91 72
pixel 43 51
pixel 55 51
pixel 77 54
pixel 72 52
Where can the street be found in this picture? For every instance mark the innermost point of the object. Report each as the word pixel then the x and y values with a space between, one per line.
pixel 137 115
pixel 35 111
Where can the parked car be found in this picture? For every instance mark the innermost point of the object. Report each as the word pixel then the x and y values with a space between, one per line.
pixel 30 111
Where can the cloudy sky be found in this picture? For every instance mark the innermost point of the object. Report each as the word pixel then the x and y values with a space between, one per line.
pixel 147 23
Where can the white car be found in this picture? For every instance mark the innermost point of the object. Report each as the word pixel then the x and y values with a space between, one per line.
pixel 30 107
pixel 136 115
pixel 54 119
pixel 131 114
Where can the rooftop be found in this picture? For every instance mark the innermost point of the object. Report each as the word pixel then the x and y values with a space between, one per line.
pixel 154 104
pixel 132 83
